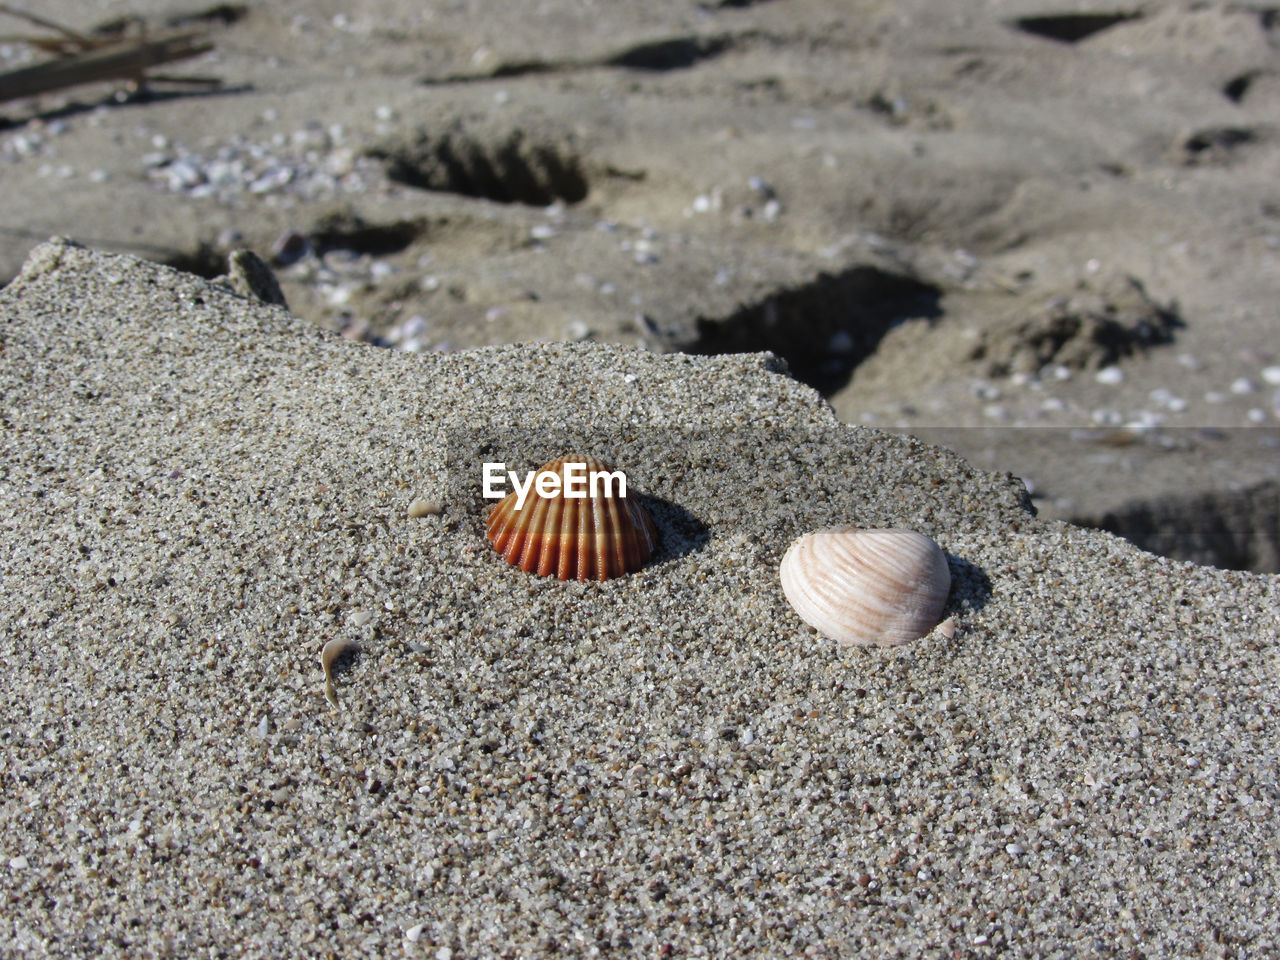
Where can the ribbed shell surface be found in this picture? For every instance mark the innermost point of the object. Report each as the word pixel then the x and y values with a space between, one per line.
pixel 588 538
pixel 867 587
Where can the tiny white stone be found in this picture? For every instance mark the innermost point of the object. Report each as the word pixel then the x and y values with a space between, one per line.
pixel 359 618
pixel 1014 849
pixel 1109 375
pixel 1107 417
pixel 414 933
pixel 1257 415
pixel 1243 385
pixel 18 863
pixel 1271 375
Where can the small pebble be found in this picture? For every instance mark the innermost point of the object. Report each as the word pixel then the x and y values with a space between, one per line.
pixel 1271 375
pixel 424 508
pixel 1107 417
pixel 1109 375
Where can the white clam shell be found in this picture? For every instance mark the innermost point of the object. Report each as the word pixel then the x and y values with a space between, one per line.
pixel 867 587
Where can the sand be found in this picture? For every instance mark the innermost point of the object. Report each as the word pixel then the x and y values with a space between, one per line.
pixel 898 198
pixel 199 491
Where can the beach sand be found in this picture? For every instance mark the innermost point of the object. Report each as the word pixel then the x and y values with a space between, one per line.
pixel 199 491
pixel 1050 240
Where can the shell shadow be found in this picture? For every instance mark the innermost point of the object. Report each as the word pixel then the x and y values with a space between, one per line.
pixel 970 586
pixel 680 533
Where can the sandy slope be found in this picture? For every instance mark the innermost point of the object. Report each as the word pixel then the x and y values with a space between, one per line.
pixel 199 491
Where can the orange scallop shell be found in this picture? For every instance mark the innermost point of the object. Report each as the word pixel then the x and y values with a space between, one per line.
pixel 574 538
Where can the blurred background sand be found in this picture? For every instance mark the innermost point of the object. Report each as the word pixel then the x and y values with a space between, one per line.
pixel 1046 237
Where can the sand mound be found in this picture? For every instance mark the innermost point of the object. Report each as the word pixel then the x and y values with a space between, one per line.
pixel 199 491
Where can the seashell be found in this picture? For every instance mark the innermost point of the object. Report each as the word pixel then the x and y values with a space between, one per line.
pixel 330 654
pixel 595 537
pixel 867 587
